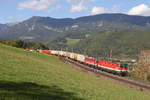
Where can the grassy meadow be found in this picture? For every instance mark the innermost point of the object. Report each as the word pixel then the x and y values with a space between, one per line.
pixel 70 41
pixel 34 76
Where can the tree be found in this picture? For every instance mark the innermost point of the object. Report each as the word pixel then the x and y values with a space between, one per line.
pixel 142 68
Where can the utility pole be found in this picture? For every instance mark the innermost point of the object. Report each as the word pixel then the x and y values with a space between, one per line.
pixel 72 50
pixel 85 52
pixel 110 54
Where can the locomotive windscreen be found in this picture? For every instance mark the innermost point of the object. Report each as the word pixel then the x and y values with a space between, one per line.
pixel 124 65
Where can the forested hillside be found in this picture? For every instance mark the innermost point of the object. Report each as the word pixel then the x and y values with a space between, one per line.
pixel 115 43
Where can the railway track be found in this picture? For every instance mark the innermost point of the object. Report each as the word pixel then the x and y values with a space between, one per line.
pixel 140 85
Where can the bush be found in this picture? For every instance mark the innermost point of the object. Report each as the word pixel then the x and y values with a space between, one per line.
pixel 148 77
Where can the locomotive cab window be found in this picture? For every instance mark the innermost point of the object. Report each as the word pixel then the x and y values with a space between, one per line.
pixel 123 65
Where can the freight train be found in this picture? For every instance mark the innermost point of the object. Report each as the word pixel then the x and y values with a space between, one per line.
pixel 108 66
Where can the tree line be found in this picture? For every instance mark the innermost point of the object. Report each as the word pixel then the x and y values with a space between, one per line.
pixel 24 44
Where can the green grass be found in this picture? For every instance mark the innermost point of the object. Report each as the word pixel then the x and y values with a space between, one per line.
pixel 34 76
pixel 72 41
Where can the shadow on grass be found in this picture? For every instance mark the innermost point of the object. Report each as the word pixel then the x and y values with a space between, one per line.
pixel 32 91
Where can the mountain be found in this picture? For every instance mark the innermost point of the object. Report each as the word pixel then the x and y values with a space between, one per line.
pixel 44 29
pixel 35 29
pixel 12 24
pixel 135 20
pixel 3 27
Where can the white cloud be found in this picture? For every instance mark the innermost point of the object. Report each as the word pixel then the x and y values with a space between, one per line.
pixel 75 1
pixel 79 1
pixel 92 0
pixel 79 5
pixel 78 8
pixel 142 9
pixel 39 5
pixel 98 10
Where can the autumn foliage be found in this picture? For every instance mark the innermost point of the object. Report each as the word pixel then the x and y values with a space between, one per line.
pixel 142 68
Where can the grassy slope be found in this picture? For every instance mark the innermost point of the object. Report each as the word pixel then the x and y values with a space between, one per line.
pixel 33 76
pixel 72 41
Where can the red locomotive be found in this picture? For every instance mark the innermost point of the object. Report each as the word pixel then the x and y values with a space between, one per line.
pixel 116 68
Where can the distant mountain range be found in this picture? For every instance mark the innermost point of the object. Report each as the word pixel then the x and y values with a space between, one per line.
pixel 43 29
pixel 3 27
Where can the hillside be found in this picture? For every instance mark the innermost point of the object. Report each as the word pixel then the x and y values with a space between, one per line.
pixel 24 45
pixel 120 43
pixel 43 29
pixel 33 76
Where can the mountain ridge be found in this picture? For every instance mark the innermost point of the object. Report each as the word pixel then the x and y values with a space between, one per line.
pixel 43 29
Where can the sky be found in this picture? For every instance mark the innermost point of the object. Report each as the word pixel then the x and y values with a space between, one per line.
pixel 19 10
